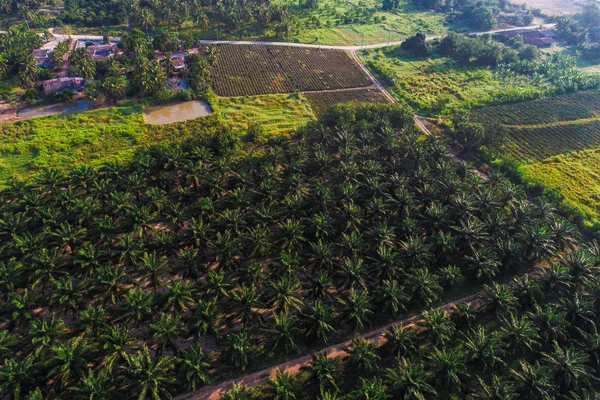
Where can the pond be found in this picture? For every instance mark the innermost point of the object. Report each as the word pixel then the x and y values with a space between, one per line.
pixel 54 109
pixel 167 114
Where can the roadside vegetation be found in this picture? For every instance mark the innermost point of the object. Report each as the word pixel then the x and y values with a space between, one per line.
pixel 321 101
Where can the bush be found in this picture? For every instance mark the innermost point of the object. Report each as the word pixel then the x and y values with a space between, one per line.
pixel 30 95
pixel 255 132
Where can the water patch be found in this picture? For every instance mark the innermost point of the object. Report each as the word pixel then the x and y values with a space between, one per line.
pixel 167 114
pixel 54 109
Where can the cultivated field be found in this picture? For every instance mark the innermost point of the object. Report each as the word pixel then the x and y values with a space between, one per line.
pixel 320 101
pixel 253 70
pixel 555 144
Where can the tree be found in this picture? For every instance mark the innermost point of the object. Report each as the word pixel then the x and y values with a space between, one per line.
pixel 416 45
pixel 237 349
pixel 448 366
pixel 569 367
pixel 69 360
pixel 318 321
pixel 362 355
pixel 194 368
pixel 283 332
pixel 356 307
pixel 534 381
pixel 165 332
pixel 323 370
pixel 115 87
pixel 146 378
pixel 409 381
pixel 18 376
pixel 282 387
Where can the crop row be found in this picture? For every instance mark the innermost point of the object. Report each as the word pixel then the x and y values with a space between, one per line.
pixel 320 101
pixel 259 69
pixel 538 143
pixel 544 111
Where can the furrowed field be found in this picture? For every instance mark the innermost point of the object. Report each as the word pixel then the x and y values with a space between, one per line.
pixel 555 143
pixel 257 69
pixel 320 101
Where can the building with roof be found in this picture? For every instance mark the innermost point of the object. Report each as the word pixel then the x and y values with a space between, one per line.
pixel 101 52
pixel 42 57
pixel 536 37
pixel 57 86
pixel 178 61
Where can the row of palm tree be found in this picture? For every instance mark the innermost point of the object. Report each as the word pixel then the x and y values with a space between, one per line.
pixel 197 261
pixel 536 340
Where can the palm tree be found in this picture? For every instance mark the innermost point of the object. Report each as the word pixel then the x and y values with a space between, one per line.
pixel 409 381
pixel 165 332
pixel 283 332
pixel 238 391
pixel 356 307
pixel 194 368
pixel 448 366
pixel 534 381
pixel 439 326
pixel 94 386
pixel 400 340
pixel 154 268
pixel 282 387
pixel 519 334
pixel 146 378
pixel 318 321
pixel 244 304
pixel 204 317
pixel 370 389
pixel 482 347
pixel 362 355
pixel 497 389
pixel 423 285
pixel 323 370
pixel 116 342
pixel 17 376
pixel 180 295
pixel 237 349
pixel 499 298
pixel 69 361
pixel 570 368
pixel 138 305
pixel 286 294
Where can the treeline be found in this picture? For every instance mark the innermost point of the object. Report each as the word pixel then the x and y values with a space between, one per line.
pixel 481 15
pixel 196 262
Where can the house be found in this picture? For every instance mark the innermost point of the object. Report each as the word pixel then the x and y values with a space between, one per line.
pixel 42 57
pixel 178 61
pixel 536 37
pixel 59 85
pixel 101 52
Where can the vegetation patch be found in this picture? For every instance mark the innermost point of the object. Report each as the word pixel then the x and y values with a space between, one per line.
pixel 321 101
pixel 260 69
pixel 277 114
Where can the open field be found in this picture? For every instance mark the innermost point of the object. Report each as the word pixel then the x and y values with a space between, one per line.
pixel 259 69
pixel 278 114
pixel 435 84
pixel 555 143
pixel 576 175
pixel 115 134
pixel 555 7
pixel 339 22
pixel 320 101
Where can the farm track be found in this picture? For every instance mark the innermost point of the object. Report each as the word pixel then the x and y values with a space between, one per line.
pixel 335 351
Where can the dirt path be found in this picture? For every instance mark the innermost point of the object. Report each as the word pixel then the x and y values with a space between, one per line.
pixel 338 350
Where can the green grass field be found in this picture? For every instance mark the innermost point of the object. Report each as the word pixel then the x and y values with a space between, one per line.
pixel 576 175
pixel 278 113
pixel 434 85
pixel 114 134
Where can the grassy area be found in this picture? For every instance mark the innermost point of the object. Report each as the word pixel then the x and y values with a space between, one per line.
pixel 87 138
pixel 279 114
pixel 576 175
pixel 114 134
pixel 321 101
pixel 336 22
pixel 330 22
pixel 436 84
